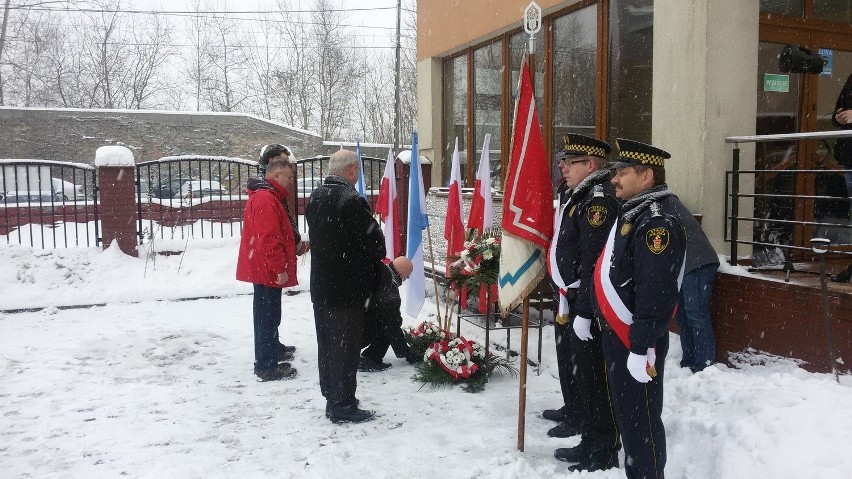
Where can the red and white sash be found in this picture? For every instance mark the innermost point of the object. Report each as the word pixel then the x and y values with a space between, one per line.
pixel 615 312
pixel 552 266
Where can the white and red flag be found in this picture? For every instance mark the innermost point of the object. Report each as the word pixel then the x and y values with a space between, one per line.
pixel 481 217
pixel 386 207
pixel 453 225
pixel 527 203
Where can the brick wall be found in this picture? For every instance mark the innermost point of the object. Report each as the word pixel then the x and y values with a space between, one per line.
pixel 74 134
pixel 780 318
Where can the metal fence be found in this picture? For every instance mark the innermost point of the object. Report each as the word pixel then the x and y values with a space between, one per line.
pixel 48 204
pixel 784 222
pixel 310 173
pixel 192 196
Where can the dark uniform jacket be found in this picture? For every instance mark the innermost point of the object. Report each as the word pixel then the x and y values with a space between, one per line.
pixel 589 214
pixel 647 256
pixel 347 245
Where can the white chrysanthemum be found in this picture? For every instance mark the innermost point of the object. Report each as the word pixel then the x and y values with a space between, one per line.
pixel 487 254
pixel 490 240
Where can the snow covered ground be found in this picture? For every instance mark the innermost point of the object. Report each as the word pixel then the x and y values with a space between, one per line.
pixel 146 385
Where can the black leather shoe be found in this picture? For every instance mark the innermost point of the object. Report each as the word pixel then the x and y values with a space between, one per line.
pixel 287 349
pixel 282 371
pixel 597 462
pixel 350 414
pixel 572 454
pixel 328 407
pixel 369 365
pixel 285 356
pixel 413 358
pixel 564 429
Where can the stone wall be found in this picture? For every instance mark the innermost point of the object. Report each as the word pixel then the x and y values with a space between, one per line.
pixel 75 134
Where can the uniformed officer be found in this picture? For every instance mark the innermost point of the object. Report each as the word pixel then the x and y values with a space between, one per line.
pixel 587 217
pixel 637 280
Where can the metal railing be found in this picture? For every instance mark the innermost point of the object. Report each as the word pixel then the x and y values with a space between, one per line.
pixel 48 204
pixel 783 206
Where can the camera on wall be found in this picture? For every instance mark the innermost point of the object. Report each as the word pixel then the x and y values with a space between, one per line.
pixel 798 59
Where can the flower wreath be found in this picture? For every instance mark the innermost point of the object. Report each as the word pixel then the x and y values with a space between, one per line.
pixel 449 360
pixel 477 269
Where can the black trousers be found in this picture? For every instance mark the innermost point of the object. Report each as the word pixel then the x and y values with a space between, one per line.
pixel 599 426
pixel 339 332
pixel 565 360
pixel 638 408
pixel 381 333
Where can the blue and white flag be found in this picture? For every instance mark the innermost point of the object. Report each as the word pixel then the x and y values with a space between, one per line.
pixel 360 185
pixel 418 221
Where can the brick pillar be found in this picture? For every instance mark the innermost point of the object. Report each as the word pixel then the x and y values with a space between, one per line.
pixel 403 173
pixel 117 209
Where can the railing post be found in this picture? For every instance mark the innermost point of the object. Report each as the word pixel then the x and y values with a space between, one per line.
pixel 735 204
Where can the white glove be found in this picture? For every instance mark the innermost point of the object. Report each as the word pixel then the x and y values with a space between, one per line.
pixel 637 365
pixel 582 328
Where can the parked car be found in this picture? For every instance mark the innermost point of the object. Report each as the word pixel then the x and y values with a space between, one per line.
pixel 304 186
pixel 167 187
pixel 195 189
pixel 65 190
pixel 31 197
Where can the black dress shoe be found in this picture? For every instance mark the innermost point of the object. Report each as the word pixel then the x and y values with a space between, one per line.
pixel 281 371
pixel 558 415
pixel 369 365
pixel 564 429
pixel 287 349
pixel 349 414
pixel 572 454
pixel 284 356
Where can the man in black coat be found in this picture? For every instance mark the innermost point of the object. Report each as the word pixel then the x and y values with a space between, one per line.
pixel 384 321
pixel 347 248
pixel 637 283
pixel 586 220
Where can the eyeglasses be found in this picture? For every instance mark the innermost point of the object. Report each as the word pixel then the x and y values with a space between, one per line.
pixel 573 162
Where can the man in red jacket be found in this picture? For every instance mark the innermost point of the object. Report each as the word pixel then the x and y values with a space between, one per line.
pixel 268 260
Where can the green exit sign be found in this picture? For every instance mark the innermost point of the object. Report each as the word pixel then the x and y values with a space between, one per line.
pixel 773 82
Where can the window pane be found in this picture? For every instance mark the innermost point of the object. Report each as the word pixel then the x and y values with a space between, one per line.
pixel 574 68
pixel 834 10
pixel 777 112
pixel 793 8
pixel 487 106
pixel 455 114
pixel 631 49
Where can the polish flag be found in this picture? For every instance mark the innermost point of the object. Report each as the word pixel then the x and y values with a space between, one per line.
pixel 386 207
pixel 481 218
pixel 454 226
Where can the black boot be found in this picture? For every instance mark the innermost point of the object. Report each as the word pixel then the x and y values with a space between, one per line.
pixel 558 415
pixel 370 365
pixel 349 414
pixel 599 461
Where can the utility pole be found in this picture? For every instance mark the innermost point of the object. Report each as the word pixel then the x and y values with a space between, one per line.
pixel 6 21
pixel 396 125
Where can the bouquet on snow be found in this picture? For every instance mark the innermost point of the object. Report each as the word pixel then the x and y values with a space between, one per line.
pixel 450 360
pixel 476 269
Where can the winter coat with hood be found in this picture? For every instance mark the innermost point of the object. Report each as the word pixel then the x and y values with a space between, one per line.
pixel 267 246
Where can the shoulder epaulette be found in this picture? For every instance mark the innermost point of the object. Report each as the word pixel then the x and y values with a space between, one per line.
pixel 655 209
pixel 598 191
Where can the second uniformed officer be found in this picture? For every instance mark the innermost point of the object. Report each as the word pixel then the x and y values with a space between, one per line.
pixel 637 279
pixel 587 218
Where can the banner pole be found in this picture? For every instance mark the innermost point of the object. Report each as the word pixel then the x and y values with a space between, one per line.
pixel 434 280
pixel 522 389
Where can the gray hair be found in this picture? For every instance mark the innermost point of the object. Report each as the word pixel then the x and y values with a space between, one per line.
pixel 340 161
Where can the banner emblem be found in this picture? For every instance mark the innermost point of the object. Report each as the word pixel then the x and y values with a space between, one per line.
pixel 657 240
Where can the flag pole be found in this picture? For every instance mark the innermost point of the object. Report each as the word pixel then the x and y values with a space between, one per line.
pixel 532 24
pixel 447 290
pixel 434 279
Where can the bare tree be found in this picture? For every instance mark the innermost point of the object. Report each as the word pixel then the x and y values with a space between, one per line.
pixel 296 78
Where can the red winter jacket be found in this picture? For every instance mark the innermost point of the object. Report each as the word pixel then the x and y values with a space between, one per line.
pixel 267 246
